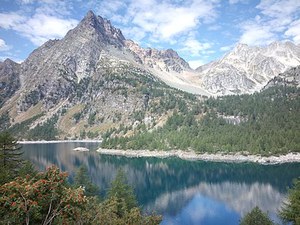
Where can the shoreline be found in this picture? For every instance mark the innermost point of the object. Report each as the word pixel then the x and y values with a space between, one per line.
pixel 193 156
pixel 59 141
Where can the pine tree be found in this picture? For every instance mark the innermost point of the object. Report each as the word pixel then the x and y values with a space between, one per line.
pixel 291 210
pixel 83 180
pixel 256 217
pixel 123 193
pixel 10 156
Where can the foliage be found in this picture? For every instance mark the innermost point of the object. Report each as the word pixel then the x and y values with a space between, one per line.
pixel 123 193
pixel 290 211
pixel 10 157
pixel 4 121
pixel 109 214
pixel 83 180
pixel 256 217
pixel 47 198
pixel 91 119
pixel 77 116
pixel 27 169
pixel 120 206
pixel 41 199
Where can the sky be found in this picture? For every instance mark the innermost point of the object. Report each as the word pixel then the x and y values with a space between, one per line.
pixel 200 31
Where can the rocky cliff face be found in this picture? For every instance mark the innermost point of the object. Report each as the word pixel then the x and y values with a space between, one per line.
pixel 247 69
pixel 289 78
pixel 161 60
pixel 9 79
pixel 54 70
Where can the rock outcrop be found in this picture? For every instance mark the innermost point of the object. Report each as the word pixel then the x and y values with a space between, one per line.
pixel 289 78
pixel 9 79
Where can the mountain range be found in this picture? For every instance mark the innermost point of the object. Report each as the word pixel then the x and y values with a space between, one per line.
pixel 95 78
pixel 247 69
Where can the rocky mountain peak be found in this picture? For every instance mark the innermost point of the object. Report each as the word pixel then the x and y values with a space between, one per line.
pixel 240 47
pixel 101 29
pixel 9 62
pixel 162 60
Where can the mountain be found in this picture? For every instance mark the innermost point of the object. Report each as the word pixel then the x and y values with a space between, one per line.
pixel 247 69
pixel 290 77
pixel 90 81
pixel 9 79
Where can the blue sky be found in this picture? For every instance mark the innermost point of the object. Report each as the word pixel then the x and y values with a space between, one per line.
pixel 200 31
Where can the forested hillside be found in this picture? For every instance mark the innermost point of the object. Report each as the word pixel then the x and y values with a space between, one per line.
pixel 264 123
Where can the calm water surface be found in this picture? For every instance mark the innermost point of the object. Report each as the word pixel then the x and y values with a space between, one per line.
pixel 184 192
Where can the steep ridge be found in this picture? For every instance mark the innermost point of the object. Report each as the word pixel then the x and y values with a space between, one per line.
pixel 247 69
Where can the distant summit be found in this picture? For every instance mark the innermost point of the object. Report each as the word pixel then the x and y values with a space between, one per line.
pixel 247 69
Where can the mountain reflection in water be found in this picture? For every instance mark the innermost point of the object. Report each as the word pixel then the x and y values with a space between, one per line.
pixel 185 192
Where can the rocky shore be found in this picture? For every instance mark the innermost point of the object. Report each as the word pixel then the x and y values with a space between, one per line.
pixel 58 141
pixel 217 157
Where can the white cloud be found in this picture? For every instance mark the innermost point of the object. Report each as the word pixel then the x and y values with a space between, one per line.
pixel 11 20
pixel 38 28
pixel 194 64
pixel 226 48
pixel 195 47
pixel 294 31
pixel 4 46
pixel 278 8
pixel 47 21
pixel 160 20
pixel 25 2
pixel 41 28
pixel 275 19
pixel 256 34
pixel 231 2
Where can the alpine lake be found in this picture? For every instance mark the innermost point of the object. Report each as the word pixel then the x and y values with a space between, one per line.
pixel 184 192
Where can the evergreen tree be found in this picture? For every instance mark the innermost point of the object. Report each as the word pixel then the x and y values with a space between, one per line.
pixel 290 211
pixel 123 193
pixel 83 180
pixel 256 217
pixel 10 156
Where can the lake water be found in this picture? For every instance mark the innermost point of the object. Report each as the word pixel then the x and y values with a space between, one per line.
pixel 184 192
